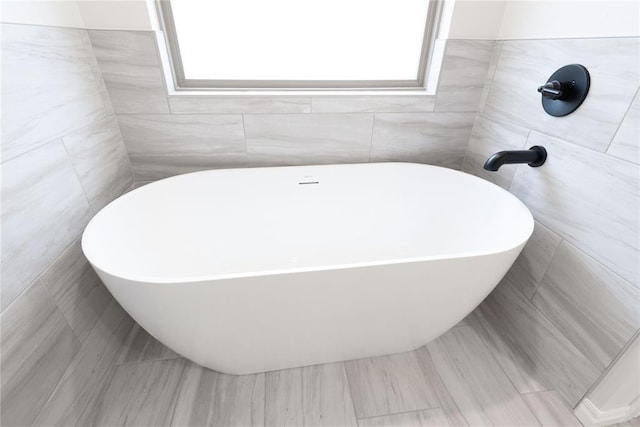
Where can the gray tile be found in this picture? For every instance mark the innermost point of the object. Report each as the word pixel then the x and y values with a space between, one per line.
pixel 162 146
pixel 493 65
pixel 465 66
pixel 476 381
pixel 446 402
pixel 181 104
pixel 373 104
pixel 48 86
pixel 161 135
pixel 550 409
pixel 326 399
pixel 37 347
pixel 597 310
pixel 100 158
pixel 77 397
pixel 528 270
pixel 140 346
pixel 205 397
pixel 37 225
pixel 388 384
pixel 131 68
pixel 141 394
pixel 77 290
pixel 589 198
pixel 488 137
pixel 428 418
pixel 284 393
pixel 626 142
pixel 526 64
pixel 434 138
pixel 152 168
pixel 517 365
pixel 534 339
pixel 310 396
pixel 301 139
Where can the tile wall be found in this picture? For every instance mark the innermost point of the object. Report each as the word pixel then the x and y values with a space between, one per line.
pixel 171 134
pixel 572 300
pixel 63 159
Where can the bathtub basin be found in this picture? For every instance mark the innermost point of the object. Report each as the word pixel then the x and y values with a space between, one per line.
pixel 253 270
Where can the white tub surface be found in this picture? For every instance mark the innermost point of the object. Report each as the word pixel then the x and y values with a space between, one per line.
pixel 250 270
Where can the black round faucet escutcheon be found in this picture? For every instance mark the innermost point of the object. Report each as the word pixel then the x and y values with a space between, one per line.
pixel 534 157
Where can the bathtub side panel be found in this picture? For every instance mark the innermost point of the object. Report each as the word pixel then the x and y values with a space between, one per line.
pixel 258 324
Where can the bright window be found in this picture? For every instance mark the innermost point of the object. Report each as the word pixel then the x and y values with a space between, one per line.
pixel 299 43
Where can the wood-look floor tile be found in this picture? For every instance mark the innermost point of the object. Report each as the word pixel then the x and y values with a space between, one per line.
pixel 388 384
pixel 596 309
pixel 37 347
pixel 427 418
pixel 476 381
pixel 209 398
pixel 550 409
pixel 141 394
pixel 309 396
pixel 75 400
pixel 531 336
pixel 140 346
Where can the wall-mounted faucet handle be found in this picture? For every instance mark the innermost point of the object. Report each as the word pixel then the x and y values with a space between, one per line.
pixel 552 90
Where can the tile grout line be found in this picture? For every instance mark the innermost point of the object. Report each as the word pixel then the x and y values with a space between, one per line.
pixel 624 116
pixel 544 274
pixel 373 124
pixel 400 413
pixel 350 389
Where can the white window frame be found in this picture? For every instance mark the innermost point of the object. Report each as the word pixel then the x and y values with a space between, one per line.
pixel 182 84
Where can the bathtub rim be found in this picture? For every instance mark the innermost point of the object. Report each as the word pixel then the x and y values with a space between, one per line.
pixel 213 277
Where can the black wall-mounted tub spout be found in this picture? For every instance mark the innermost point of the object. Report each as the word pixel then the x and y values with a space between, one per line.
pixel 534 157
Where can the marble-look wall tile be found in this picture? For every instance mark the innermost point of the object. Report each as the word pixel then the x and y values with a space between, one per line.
pixel 550 410
pixel 476 381
pixel 488 137
pixel 132 73
pixel 77 290
pixel 37 346
pixel 493 65
pixel 597 310
pixel 626 142
pixel 463 74
pixel 429 418
pixel 141 347
pixel 510 317
pixel 203 104
pixel 303 139
pixel 43 210
pixel 152 168
pixel 589 198
pixel 48 86
pixel 77 397
pixel 524 65
pixel 160 135
pixel 388 384
pixel 100 158
pixel 434 138
pixel 528 270
pixel 373 104
pixel 160 146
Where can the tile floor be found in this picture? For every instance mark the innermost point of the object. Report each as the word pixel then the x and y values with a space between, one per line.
pixel 457 380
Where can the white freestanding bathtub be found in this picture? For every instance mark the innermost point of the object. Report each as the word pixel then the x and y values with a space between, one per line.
pixel 252 270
